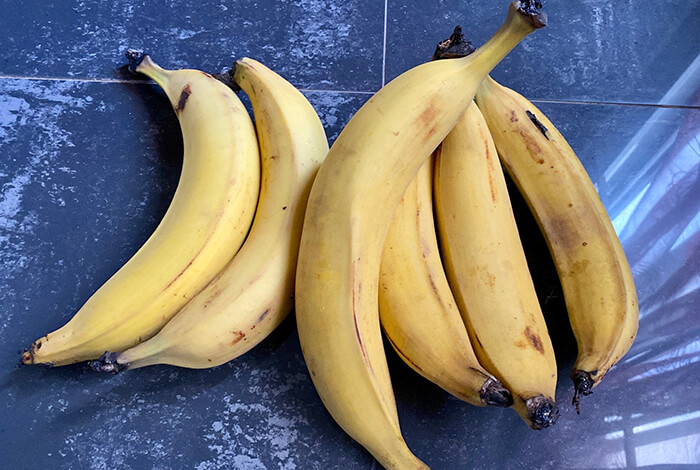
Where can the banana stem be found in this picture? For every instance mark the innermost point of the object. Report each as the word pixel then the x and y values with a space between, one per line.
pixel 453 47
pixel 523 18
pixel 139 62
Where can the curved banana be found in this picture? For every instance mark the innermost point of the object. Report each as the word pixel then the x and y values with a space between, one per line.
pixel 487 270
pixel 205 225
pixel 417 309
pixel 350 207
pixel 254 292
pixel 598 287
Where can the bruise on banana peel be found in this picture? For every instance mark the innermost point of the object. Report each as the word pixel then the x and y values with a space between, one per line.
pixel 186 92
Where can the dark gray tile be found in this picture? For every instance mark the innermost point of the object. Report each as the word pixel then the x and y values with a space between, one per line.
pixel 87 171
pixel 314 43
pixel 590 50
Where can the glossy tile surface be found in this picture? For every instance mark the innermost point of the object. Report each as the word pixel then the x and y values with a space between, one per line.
pixel 88 169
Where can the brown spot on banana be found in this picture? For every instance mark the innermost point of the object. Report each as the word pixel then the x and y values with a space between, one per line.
pixel 532 147
pixel 263 315
pixel 579 267
pixel 492 168
pixel 186 92
pixel 566 235
pixel 513 117
pixel 541 127
pixel 534 340
pixel 237 337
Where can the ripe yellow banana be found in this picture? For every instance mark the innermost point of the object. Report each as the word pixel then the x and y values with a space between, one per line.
pixel 203 228
pixel 349 212
pixel 417 309
pixel 487 270
pixel 254 292
pixel 598 287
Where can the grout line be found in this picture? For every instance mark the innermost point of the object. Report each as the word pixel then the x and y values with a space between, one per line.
pixel 72 79
pixel 151 82
pixel 386 10
pixel 348 92
pixel 360 92
pixel 619 103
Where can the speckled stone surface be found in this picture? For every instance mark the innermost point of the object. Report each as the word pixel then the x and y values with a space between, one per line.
pixel 315 43
pixel 88 169
pixel 591 50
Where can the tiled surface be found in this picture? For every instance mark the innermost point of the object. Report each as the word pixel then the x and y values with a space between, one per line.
pixel 315 43
pixel 88 169
pixel 595 50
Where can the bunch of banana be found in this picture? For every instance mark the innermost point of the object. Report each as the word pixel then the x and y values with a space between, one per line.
pixel 251 296
pixel 360 248
pixel 350 208
pixel 487 270
pixel 595 276
pixel 417 310
pixel 184 298
pixel 205 225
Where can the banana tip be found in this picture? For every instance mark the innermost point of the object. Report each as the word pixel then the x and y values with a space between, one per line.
pixel 532 10
pixel 493 393
pixel 27 356
pixel 542 411
pixel 583 385
pixel 108 363
pixel 135 57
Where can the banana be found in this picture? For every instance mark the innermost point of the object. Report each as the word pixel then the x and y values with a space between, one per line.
pixel 598 287
pixel 487 270
pixel 254 292
pixel 205 225
pixel 417 309
pixel 352 201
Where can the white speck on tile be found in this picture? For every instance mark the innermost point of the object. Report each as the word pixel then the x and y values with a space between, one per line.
pixel 328 106
pixel 248 435
pixel 180 33
pixel 319 26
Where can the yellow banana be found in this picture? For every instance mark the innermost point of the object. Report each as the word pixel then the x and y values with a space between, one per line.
pixel 487 270
pixel 598 287
pixel 254 292
pixel 417 309
pixel 349 212
pixel 205 225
